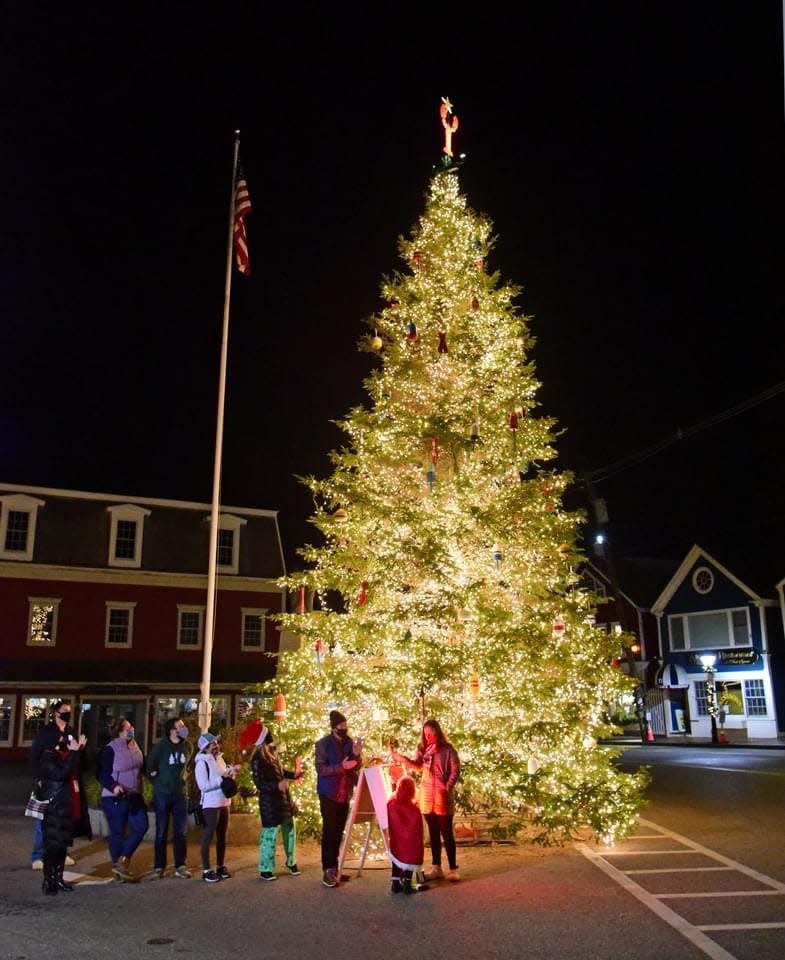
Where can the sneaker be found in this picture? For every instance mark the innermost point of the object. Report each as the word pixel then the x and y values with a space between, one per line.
pixel 183 873
pixel 329 879
pixel 158 873
pixel 344 878
pixel 435 873
pixel 37 864
pixel 421 888
pixel 453 875
pixel 407 886
pixel 69 861
pixel 121 873
pixel 223 873
pixel 294 870
pixel 265 875
pixel 210 876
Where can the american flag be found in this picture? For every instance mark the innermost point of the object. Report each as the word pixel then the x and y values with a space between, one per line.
pixel 242 206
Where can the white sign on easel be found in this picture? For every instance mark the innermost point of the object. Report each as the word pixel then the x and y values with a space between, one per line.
pixel 369 805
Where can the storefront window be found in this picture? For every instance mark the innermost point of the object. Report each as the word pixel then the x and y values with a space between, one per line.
pixel 250 706
pixel 35 712
pixel 188 709
pixel 6 719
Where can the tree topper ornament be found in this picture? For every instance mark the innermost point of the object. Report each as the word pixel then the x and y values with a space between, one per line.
pixel 450 126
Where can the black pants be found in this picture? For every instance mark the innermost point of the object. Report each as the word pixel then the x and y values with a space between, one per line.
pixel 216 821
pixel 440 828
pixel 334 816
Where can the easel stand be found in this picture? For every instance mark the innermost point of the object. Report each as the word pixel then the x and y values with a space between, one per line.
pixel 369 805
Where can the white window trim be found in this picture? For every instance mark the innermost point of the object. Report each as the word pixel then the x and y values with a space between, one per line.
pixel 19 503
pixel 696 577
pixel 41 602
pixel 9 741
pixel 228 521
pixel 685 618
pixel 190 608
pixel 120 605
pixel 253 612
pixel 50 699
pixel 127 511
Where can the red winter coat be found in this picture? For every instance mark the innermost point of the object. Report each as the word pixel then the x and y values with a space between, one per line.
pixel 405 829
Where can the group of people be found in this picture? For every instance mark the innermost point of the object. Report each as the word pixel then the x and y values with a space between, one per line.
pixel 58 762
pixel 337 761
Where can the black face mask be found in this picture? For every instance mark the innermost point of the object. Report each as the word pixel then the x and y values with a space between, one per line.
pixel 65 717
pixel 341 734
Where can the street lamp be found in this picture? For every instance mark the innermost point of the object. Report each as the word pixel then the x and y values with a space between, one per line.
pixel 709 662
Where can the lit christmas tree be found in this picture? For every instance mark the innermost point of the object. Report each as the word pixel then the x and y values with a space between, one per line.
pixel 446 584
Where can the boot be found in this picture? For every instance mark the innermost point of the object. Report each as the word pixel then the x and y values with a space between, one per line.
pixel 62 884
pixel 49 883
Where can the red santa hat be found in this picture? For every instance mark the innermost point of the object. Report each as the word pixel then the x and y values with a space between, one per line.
pixel 253 735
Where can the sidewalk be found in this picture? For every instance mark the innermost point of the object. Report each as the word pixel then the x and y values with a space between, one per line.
pixel 629 740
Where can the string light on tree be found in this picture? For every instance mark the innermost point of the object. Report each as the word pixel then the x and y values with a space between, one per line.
pixel 419 494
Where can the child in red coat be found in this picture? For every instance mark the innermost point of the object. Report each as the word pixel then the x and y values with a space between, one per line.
pixel 406 836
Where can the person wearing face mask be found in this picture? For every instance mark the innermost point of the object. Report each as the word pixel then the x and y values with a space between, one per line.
pixel 209 770
pixel 119 772
pixel 57 730
pixel 438 760
pixel 337 759
pixel 58 759
pixel 166 768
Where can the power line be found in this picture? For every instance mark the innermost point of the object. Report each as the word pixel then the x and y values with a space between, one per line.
pixel 633 459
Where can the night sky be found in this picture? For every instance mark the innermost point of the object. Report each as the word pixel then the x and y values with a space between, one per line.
pixel 631 158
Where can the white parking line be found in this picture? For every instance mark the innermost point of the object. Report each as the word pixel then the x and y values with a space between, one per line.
pixel 680 870
pixel 719 893
pixel 695 933
pixel 733 864
pixel 687 930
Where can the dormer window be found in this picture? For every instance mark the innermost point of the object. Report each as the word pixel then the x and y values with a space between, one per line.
pixel 17 527
pixel 228 545
pixel 125 539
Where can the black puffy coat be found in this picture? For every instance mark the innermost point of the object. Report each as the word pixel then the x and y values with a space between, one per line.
pixel 275 805
pixel 54 767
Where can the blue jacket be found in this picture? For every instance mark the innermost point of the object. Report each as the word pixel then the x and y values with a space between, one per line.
pixel 330 753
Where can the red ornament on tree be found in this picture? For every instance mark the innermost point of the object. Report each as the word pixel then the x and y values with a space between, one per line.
pixel 442 342
pixel 417 259
pixel 512 421
pixel 363 594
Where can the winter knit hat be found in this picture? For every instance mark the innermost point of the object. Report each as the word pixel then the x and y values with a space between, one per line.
pixel 205 740
pixel 336 719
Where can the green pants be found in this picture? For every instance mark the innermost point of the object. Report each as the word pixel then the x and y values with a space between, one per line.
pixel 267 840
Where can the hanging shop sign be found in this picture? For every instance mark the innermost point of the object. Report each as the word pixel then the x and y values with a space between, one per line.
pixel 741 657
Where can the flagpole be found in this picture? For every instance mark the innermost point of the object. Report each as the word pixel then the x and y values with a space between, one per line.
pixel 205 709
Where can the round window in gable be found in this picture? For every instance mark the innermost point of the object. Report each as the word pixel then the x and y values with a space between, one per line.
pixel 703 580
